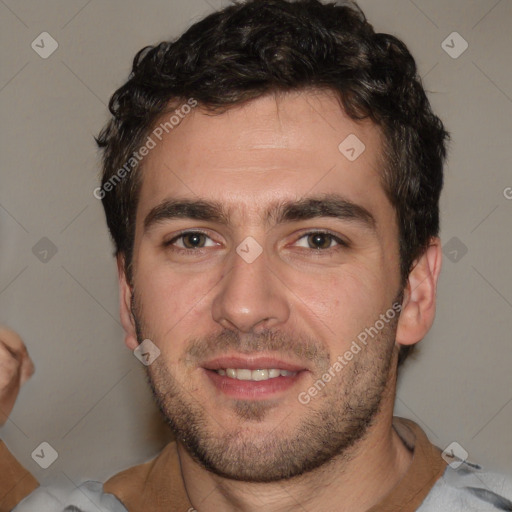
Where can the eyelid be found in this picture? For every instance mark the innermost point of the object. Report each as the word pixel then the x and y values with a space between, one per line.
pixel 341 242
pixel 335 236
pixel 184 232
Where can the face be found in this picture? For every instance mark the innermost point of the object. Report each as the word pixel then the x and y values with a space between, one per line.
pixel 261 253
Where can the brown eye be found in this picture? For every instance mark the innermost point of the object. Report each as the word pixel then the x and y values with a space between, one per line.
pixel 320 240
pixel 193 240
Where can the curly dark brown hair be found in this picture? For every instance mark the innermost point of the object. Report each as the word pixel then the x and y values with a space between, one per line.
pixel 259 47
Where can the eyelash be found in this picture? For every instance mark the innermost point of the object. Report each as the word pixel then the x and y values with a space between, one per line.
pixel 170 242
pixel 341 243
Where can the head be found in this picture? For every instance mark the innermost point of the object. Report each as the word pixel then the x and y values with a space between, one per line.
pixel 298 150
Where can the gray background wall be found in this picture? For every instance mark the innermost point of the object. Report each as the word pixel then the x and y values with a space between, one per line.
pixel 88 397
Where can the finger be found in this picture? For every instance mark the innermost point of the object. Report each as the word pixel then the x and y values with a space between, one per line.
pixel 12 341
pixel 12 347
pixel 27 369
pixel 10 370
pixel 7 355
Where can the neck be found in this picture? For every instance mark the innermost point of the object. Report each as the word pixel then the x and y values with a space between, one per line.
pixel 352 481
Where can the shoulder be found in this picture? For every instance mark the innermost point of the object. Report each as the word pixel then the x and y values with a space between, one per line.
pixel 147 486
pixel 156 485
pixel 469 488
pixel 88 497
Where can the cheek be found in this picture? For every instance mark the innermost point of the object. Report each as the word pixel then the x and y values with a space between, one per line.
pixel 339 304
pixel 174 303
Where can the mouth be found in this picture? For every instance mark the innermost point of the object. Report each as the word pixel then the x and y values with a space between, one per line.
pixel 253 378
pixel 254 375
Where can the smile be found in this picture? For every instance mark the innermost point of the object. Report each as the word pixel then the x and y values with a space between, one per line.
pixel 254 375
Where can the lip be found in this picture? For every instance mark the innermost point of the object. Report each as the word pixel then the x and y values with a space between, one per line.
pixel 251 363
pixel 252 390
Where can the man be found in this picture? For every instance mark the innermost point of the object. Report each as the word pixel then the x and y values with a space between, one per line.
pixel 271 182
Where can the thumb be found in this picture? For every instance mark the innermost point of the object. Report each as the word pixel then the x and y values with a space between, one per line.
pixel 27 369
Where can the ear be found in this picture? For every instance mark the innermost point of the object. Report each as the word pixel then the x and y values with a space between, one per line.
pixel 125 306
pixel 419 303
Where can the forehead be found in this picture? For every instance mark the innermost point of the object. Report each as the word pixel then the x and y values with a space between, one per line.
pixel 272 148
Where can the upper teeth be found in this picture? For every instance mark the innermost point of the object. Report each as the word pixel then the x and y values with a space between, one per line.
pixel 246 374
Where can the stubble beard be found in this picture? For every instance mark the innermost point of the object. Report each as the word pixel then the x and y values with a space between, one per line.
pixel 331 425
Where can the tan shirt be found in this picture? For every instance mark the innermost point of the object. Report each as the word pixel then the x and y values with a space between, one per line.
pixel 157 486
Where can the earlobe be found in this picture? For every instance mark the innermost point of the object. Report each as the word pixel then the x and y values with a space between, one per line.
pixel 419 304
pixel 125 309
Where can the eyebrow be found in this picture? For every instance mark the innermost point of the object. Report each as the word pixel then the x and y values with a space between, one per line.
pixel 170 209
pixel 328 205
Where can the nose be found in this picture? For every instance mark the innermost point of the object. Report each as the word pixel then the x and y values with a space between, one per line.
pixel 251 297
